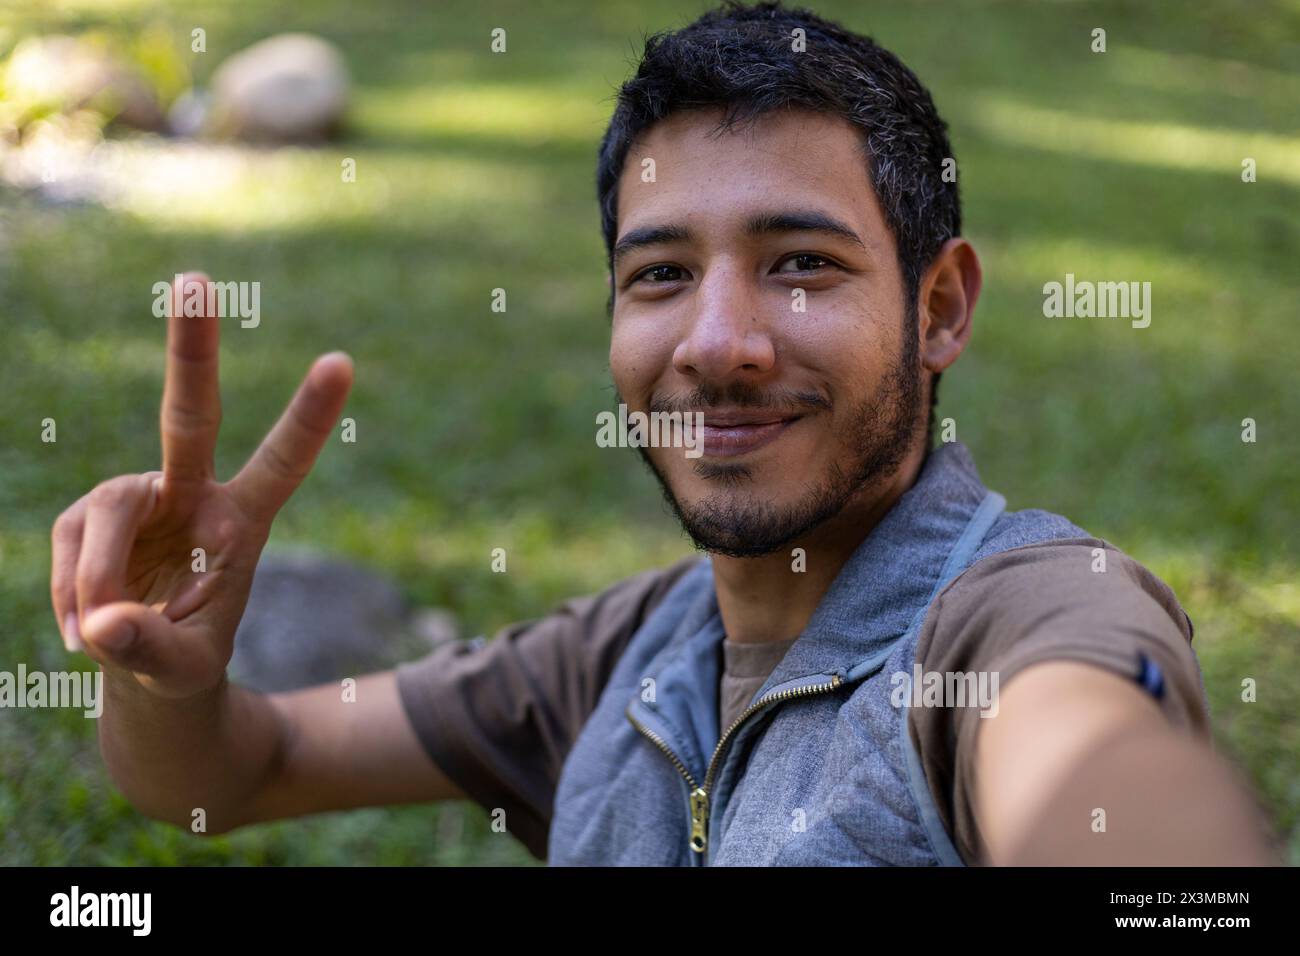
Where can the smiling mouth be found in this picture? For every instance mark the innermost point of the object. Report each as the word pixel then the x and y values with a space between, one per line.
pixel 728 436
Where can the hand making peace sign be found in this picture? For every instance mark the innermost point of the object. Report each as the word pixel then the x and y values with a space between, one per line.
pixel 122 581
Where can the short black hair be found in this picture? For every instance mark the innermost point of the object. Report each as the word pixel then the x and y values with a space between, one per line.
pixel 743 59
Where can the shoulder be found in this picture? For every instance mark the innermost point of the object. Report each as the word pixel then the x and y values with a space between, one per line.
pixel 577 640
pixel 1025 584
pixel 1069 597
pixel 598 625
pixel 628 602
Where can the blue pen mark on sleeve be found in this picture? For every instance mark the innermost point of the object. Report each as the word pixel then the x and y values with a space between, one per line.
pixel 1150 677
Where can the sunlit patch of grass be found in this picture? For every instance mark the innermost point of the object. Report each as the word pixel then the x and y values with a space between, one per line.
pixel 1190 74
pixel 527 116
pixel 1167 145
pixel 1196 304
pixel 236 191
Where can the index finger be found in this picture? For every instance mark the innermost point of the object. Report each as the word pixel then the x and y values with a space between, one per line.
pixel 191 406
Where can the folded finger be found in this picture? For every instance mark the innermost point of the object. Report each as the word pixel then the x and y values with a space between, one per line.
pixel 114 512
pixel 65 547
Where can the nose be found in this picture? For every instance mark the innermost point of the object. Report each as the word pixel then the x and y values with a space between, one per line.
pixel 726 336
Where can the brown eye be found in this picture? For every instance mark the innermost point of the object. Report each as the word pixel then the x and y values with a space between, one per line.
pixel 661 273
pixel 804 262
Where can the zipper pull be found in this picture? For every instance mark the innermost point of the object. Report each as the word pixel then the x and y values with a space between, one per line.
pixel 699 819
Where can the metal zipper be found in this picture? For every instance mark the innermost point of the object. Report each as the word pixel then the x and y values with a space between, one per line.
pixel 699 795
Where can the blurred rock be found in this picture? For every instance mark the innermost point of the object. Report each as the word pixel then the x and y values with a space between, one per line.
pixel 70 74
pixel 289 88
pixel 312 620
pixel 188 114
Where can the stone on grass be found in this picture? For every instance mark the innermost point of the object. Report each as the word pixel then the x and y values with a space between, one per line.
pixel 312 620
pixel 289 88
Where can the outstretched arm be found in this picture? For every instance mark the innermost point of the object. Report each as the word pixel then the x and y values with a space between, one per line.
pixel 1075 748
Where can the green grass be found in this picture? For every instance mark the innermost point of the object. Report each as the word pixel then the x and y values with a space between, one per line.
pixel 475 171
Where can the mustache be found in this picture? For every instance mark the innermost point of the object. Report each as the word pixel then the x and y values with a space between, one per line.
pixel 740 395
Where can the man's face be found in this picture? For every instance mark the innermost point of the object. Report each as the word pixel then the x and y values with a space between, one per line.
pixel 806 411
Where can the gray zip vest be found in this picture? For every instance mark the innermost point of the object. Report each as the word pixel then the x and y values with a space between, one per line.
pixel 820 768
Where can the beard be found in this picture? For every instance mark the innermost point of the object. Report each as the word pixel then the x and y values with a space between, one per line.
pixel 874 441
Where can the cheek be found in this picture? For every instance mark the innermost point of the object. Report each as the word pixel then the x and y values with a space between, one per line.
pixel 849 344
pixel 637 360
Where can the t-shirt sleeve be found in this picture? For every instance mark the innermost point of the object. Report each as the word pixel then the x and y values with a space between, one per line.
pixel 1047 602
pixel 499 716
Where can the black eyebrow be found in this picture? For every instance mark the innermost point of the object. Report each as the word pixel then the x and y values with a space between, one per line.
pixel 649 236
pixel 764 223
pixel 776 222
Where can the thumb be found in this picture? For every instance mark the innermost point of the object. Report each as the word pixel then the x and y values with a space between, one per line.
pixel 164 657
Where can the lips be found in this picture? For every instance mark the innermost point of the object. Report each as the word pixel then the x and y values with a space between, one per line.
pixel 729 434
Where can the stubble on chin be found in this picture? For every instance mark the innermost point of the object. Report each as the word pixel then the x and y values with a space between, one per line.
pixel 873 444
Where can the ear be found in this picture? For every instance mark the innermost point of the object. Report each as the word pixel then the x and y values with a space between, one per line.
pixel 946 303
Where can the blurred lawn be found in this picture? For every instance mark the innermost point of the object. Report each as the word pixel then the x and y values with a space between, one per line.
pixel 475 171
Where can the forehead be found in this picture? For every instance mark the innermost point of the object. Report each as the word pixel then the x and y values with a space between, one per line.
pixel 710 179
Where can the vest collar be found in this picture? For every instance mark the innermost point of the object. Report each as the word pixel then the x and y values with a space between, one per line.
pixel 892 575
pixel 889 579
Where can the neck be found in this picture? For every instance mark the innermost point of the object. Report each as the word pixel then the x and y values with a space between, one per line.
pixel 769 598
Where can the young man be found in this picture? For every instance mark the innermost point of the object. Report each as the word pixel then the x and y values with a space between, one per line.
pixel 875 663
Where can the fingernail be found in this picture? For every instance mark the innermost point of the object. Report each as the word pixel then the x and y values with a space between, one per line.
pixel 71 633
pixel 117 640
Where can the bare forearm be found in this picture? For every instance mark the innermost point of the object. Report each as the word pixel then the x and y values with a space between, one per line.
pixel 1157 798
pixel 1080 767
pixel 210 752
